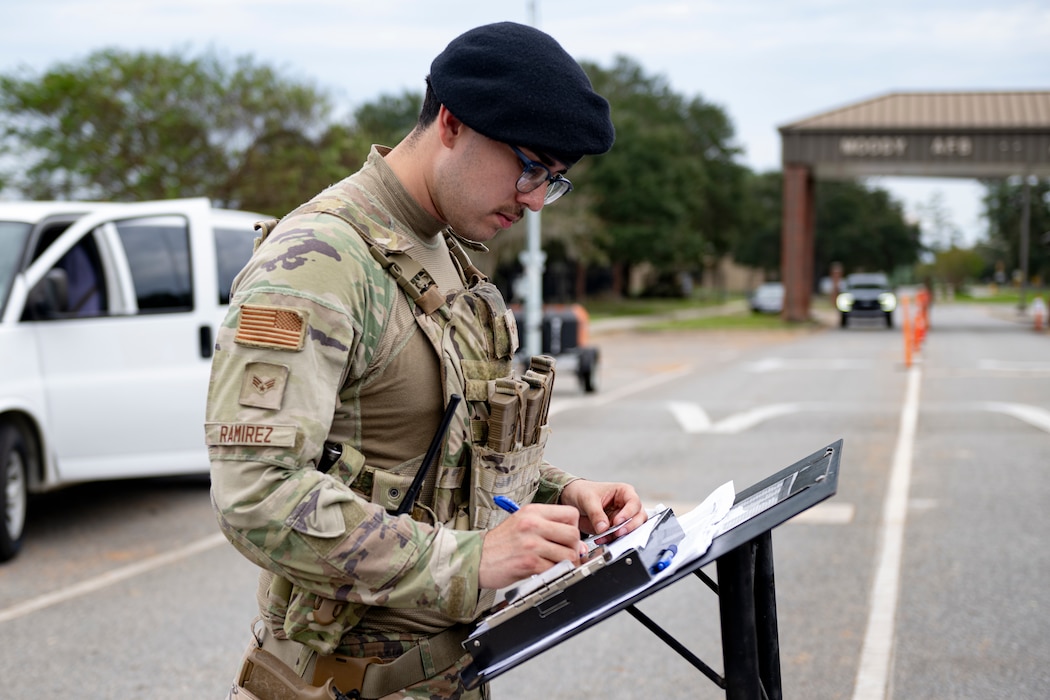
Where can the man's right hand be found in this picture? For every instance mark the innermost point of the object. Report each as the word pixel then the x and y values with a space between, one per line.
pixel 529 542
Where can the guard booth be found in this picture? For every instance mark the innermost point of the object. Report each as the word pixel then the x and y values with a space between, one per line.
pixel 905 134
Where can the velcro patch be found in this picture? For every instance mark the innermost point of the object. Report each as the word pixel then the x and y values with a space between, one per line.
pixel 253 434
pixel 263 385
pixel 276 327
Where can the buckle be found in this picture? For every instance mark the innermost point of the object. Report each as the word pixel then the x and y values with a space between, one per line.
pixel 347 673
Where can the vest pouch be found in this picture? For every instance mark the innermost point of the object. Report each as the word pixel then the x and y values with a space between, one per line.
pixel 348 467
pixel 320 623
pixel 514 474
pixel 389 489
pixel 273 595
pixel 500 320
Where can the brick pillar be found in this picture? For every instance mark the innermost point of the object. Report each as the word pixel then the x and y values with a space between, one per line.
pixel 796 242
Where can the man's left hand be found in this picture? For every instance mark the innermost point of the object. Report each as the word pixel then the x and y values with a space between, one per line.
pixel 603 505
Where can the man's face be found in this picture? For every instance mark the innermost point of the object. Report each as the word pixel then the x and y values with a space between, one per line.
pixel 476 187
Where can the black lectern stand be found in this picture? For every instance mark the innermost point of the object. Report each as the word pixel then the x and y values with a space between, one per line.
pixel 742 551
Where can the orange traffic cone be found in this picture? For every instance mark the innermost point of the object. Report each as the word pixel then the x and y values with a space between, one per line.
pixel 906 327
pixel 1038 310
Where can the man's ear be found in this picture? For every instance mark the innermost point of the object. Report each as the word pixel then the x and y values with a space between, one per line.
pixel 450 129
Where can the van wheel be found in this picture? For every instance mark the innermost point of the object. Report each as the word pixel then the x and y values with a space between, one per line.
pixel 14 491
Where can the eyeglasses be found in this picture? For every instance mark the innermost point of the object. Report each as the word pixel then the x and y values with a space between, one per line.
pixel 536 174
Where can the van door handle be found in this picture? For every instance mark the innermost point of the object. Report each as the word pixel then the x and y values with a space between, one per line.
pixel 207 347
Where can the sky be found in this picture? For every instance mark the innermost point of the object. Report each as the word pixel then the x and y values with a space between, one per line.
pixel 767 63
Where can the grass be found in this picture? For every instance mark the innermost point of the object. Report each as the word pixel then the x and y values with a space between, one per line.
pixel 1007 297
pixel 732 321
pixel 737 317
pixel 613 308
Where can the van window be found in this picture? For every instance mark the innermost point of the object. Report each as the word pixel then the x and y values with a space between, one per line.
pixel 158 251
pixel 13 235
pixel 74 288
pixel 233 248
pixel 86 283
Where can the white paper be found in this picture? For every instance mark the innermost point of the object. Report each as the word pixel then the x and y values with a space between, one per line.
pixel 700 526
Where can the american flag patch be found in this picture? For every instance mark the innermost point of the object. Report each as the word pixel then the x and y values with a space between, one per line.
pixel 271 327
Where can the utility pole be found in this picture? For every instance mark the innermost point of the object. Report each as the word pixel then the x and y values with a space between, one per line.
pixel 1026 218
pixel 532 259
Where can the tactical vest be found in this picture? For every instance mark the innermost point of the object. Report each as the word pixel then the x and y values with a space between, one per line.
pixel 496 437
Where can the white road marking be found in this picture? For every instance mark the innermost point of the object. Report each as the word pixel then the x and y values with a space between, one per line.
pixel 694 419
pixel 1033 415
pixel 1020 367
pixel 826 514
pixel 111 577
pixel 739 422
pixel 780 364
pixel 877 653
pixel 691 416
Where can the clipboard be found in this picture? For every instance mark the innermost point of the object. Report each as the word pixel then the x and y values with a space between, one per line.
pixel 591 598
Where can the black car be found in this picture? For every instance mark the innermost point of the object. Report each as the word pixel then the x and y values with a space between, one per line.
pixel 866 294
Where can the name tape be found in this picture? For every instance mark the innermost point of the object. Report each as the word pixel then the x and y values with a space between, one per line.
pixel 250 434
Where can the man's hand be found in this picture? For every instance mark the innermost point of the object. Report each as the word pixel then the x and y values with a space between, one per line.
pixel 529 542
pixel 603 505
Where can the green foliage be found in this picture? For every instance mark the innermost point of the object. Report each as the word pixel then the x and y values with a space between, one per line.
pixel 136 126
pixel 669 191
pixel 864 229
pixel 133 126
pixel 958 267
pixel 389 119
pixel 758 242
pixel 1004 207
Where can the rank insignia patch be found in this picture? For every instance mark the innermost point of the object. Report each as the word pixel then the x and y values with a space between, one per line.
pixel 263 385
pixel 274 327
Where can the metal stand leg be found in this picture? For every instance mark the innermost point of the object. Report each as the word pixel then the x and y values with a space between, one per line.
pixel 766 617
pixel 747 605
pixel 736 605
pixel 676 645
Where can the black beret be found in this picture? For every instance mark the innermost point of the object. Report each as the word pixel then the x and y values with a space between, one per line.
pixel 513 83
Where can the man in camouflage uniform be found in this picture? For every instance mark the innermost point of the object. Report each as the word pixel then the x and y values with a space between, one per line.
pixel 356 322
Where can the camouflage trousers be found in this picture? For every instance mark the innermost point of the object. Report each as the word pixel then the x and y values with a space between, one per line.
pixel 446 685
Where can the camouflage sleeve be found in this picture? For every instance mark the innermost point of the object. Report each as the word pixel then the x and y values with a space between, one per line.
pixel 305 317
pixel 552 481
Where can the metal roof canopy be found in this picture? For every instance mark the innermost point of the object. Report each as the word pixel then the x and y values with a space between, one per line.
pixel 906 134
pixel 926 134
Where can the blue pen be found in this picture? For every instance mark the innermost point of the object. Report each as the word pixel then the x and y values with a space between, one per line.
pixel 506 504
pixel 665 559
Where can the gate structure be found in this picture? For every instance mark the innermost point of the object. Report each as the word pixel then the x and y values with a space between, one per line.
pixel 909 134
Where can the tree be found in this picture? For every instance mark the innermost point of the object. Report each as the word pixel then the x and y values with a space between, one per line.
pixel 133 126
pixel 668 193
pixel 757 244
pixel 388 119
pixel 957 267
pixel 864 229
pixel 1004 206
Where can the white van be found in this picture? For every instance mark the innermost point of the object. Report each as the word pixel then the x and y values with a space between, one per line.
pixel 108 315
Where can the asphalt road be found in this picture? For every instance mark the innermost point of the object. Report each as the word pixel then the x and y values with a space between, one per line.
pixel 922 578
